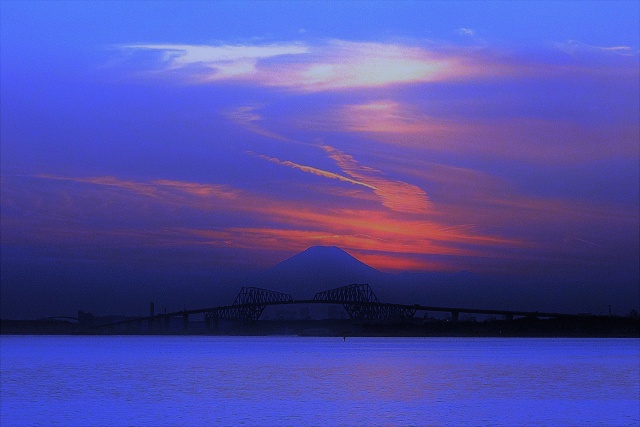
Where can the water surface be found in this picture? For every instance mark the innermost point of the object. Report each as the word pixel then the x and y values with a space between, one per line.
pixel 152 380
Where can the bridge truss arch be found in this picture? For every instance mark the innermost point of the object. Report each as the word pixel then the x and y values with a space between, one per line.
pixel 249 304
pixel 361 303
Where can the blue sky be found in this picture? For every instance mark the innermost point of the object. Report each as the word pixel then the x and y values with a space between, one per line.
pixel 495 137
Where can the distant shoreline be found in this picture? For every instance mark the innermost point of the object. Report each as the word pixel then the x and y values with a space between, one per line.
pixel 587 327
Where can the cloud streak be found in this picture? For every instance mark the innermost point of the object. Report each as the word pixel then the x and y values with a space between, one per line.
pixel 248 117
pixel 387 116
pixel 339 65
pixel 574 47
pixel 398 196
pixel 91 214
pixel 312 170
pixel 334 65
pixel 219 62
pixel 87 212
pixel 531 139
pixel 395 195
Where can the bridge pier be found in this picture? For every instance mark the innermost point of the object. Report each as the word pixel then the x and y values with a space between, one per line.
pixel 185 322
pixel 455 316
pixel 211 324
pixel 167 322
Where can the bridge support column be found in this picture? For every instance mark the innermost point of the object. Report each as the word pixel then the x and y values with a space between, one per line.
pixel 455 315
pixel 185 322
pixel 167 321
pixel 211 324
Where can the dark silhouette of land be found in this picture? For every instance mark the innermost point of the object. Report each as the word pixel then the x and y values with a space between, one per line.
pixel 588 326
pixel 348 310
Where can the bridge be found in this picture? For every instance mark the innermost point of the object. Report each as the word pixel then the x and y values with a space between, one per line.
pixel 358 300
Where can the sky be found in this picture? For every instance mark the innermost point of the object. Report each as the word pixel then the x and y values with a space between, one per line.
pixel 151 150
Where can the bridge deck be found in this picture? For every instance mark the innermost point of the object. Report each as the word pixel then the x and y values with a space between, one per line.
pixel 416 307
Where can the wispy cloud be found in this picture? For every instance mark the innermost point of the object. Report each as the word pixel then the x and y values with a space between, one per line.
pixel 312 170
pixel 363 247
pixel 220 61
pixel 396 195
pixel 334 65
pixel 531 139
pixel 466 31
pixel 248 117
pixel 387 116
pixel 390 262
pixel 573 47
pixel 278 238
pixel 217 215
pixel 338 65
pixel 88 212
pixel 345 65
pixel 154 188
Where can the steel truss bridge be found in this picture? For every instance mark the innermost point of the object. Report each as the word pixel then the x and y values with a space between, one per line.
pixel 359 301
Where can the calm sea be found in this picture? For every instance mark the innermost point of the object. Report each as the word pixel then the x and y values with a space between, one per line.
pixel 151 380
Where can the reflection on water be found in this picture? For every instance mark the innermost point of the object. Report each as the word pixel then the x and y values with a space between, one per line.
pixel 318 381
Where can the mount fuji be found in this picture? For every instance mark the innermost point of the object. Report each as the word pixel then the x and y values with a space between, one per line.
pixel 319 268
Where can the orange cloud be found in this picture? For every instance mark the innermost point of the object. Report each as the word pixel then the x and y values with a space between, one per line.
pixel 291 224
pixel 386 262
pixel 170 191
pixel 388 117
pixel 292 238
pixel 221 216
pixel 396 195
pixel 297 240
pixel 535 140
pixel 200 190
pixel 364 228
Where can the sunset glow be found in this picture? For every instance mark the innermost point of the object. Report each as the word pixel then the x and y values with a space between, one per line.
pixel 203 139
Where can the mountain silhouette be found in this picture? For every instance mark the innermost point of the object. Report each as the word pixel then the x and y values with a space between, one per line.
pixel 319 268
pixel 316 269
pixel 323 258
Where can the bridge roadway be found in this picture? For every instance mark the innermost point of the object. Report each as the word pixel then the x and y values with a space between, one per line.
pixel 414 307
pixel 408 309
